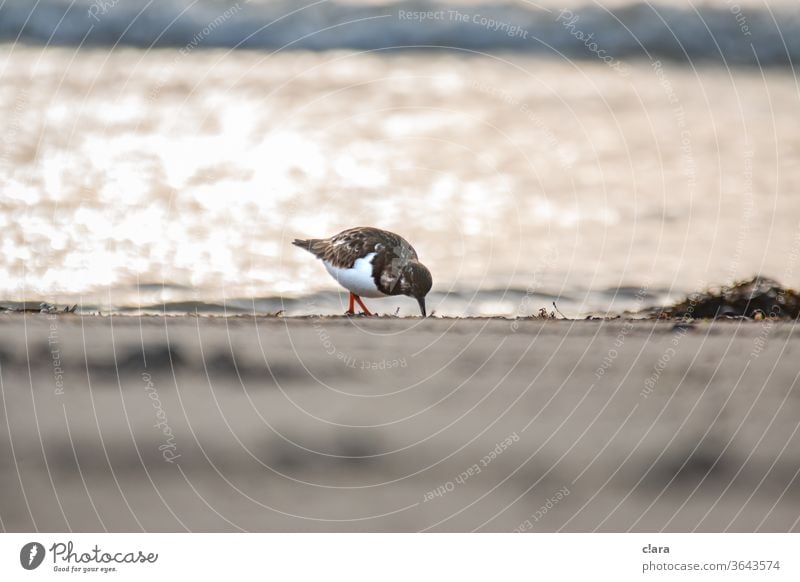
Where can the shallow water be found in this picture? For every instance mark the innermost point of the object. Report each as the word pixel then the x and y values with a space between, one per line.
pixel 132 178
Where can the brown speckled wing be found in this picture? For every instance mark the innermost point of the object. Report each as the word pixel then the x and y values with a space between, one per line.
pixel 342 250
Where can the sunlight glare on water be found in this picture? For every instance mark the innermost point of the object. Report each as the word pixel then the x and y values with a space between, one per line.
pixel 194 182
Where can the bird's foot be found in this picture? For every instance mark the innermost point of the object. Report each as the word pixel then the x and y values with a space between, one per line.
pixel 351 308
pixel 361 304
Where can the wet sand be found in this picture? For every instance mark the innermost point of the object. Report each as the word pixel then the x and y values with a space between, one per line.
pixel 334 424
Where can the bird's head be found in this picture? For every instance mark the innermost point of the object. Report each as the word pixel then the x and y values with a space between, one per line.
pixel 416 281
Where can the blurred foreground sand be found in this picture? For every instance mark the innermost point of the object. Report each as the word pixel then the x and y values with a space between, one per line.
pixel 397 425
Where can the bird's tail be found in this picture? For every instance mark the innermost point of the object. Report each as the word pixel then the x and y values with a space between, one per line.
pixel 307 244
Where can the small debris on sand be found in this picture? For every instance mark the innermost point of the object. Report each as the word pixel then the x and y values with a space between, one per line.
pixel 42 308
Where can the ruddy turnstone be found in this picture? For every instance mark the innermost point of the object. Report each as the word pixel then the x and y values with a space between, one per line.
pixel 370 262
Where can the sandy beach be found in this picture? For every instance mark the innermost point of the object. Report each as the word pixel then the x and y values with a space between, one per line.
pixel 386 424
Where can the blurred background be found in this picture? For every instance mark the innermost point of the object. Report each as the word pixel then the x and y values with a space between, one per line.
pixel 161 155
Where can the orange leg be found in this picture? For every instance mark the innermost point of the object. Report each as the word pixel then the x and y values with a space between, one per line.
pixel 361 303
pixel 351 310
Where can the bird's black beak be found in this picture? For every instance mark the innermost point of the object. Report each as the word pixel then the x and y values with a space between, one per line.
pixel 422 306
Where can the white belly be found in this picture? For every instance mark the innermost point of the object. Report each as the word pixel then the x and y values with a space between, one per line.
pixel 357 279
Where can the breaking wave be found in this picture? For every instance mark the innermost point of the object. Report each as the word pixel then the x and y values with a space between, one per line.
pixel 725 32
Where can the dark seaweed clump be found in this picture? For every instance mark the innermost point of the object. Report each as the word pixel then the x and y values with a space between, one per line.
pixel 757 298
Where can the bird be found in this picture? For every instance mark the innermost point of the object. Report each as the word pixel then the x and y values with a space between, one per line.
pixel 370 262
